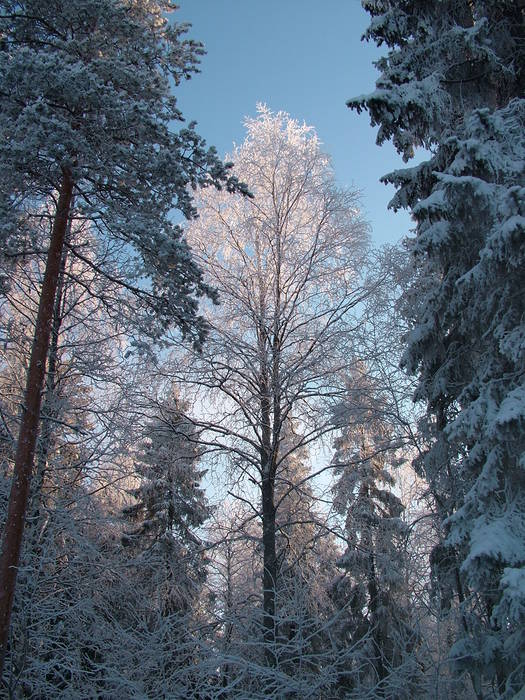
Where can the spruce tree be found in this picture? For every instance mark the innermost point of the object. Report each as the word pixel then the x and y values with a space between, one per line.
pixel 169 506
pixel 371 590
pixel 453 82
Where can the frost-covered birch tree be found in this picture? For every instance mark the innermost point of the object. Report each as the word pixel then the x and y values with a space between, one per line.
pixel 289 266
pixel 453 82
pixel 86 115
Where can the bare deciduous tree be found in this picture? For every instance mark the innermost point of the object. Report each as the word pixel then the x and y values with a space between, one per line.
pixel 289 267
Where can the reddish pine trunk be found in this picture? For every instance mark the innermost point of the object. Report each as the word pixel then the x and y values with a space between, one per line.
pixel 18 499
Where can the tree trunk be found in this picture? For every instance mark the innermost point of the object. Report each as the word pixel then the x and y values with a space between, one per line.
pixel 228 616
pixel 18 499
pixel 377 631
pixel 49 410
pixel 270 568
pixel 268 457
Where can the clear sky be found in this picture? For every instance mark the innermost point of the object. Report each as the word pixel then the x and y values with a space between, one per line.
pixel 305 57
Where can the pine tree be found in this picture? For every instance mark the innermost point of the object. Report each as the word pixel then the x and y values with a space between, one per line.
pixel 453 81
pixel 85 122
pixel 56 611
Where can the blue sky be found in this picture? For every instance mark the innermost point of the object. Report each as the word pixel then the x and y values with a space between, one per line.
pixel 303 57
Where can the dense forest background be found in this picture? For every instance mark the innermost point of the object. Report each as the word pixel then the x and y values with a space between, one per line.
pixel 251 455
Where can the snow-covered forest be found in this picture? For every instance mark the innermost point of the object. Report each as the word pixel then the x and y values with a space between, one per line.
pixel 245 453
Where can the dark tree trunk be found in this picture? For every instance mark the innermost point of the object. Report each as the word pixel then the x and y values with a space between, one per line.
pixel 270 568
pixel 377 631
pixel 49 410
pixel 18 499
pixel 229 611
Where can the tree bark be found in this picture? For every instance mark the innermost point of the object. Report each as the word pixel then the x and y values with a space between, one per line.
pixel 270 568
pixel 18 499
pixel 49 410
pixel 377 632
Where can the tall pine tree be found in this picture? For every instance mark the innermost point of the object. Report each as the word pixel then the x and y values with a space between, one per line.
pixel 86 114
